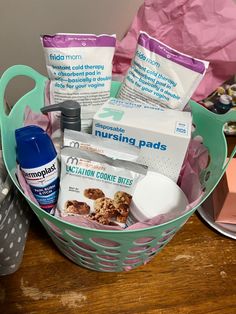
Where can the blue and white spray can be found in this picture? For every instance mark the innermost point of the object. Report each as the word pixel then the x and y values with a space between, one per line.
pixel 37 158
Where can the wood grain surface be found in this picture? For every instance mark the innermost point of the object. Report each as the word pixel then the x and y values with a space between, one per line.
pixel 195 273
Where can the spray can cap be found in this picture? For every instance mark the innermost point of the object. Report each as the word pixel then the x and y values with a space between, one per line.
pixel 34 147
pixel 70 114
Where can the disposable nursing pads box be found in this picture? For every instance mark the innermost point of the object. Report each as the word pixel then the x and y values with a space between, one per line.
pixel 161 134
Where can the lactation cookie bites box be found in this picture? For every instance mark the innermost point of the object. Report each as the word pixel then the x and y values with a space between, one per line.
pixel 161 134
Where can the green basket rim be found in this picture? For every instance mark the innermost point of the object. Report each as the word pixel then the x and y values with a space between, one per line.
pixel 51 218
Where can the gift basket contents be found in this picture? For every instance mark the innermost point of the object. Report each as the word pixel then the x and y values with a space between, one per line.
pixel 134 136
pixel 112 169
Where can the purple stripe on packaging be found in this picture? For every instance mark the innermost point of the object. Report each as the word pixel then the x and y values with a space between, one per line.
pixel 159 48
pixel 77 40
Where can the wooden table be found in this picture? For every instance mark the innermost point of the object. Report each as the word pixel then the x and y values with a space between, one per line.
pixel 195 273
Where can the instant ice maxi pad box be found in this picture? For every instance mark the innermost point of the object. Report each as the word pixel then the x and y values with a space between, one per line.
pixel 161 134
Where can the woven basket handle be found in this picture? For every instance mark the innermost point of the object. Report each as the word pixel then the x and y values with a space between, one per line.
pixel 14 71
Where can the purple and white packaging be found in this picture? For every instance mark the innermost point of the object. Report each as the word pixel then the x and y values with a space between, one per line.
pixel 79 67
pixel 161 75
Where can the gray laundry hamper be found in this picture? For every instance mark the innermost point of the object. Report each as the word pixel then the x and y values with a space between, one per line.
pixel 14 223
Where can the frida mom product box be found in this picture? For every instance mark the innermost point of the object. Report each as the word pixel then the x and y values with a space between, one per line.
pixel 161 134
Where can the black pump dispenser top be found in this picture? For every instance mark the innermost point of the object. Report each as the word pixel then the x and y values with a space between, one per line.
pixel 70 114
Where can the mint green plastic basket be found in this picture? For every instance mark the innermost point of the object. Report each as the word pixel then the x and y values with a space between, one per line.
pixel 111 251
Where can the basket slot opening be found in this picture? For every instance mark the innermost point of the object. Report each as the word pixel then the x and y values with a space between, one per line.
pixel 15 89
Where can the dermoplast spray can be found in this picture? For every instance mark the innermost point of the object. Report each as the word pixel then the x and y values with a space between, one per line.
pixel 37 158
